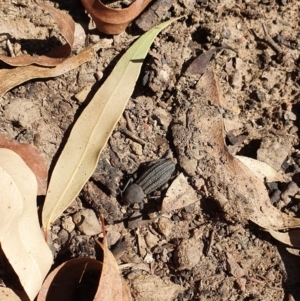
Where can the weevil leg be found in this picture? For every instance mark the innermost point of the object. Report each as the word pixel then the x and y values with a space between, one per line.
pixel 141 205
pixel 131 179
pixel 149 197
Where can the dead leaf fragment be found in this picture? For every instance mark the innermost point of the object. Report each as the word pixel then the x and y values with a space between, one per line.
pixel 248 197
pixel 113 21
pixel 10 78
pixel 111 286
pixel 103 280
pixel 200 63
pixel 261 169
pixel 239 192
pixel 61 284
pixel 291 237
pixel 57 55
pixel 20 235
pixel 32 158
pixel 180 194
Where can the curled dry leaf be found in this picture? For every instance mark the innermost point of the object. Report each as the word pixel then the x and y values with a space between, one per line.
pixel 239 192
pixel 20 235
pixel 57 55
pixel 261 169
pixel 112 287
pixel 110 20
pixel 92 129
pixel 291 237
pixel 88 277
pixel 32 158
pixel 10 78
pixel 180 194
pixel 70 278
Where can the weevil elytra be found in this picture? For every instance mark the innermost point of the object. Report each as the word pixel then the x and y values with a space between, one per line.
pixel 156 175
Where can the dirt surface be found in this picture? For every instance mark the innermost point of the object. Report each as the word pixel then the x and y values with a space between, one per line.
pixel 194 253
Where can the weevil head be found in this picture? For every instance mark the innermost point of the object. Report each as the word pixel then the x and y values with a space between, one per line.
pixel 133 194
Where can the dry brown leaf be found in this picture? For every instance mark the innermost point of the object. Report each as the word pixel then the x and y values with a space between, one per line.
pixel 200 63
pixel 291 238
pixel 239 192
pixel 261 169
pixel 21 238
pixel 180 194
pixel 110 20
pixel 57 55
pixel 10 78
pixel 104 280
pixel 111 286
pixel 32 158
pixel 64 282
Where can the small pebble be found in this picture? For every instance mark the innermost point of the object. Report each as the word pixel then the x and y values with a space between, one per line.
pixel 67 224
pixel 285 165
pixel 79 35
pixel 288 115
pixel 289 192
pixel 175 218
pixel 136 148
pixel 261 96
pixel 151 240
pixel 94 38
pixel 99 75
pixel 165 226
pixel 188 253
pixel 272 186
pixel 153 288
pixel 63 235
pixel 163 116
pixel 148 258
pixel 274 151
pixel 87 222
pixel 293 130
pixel 275 196
pixel 112 237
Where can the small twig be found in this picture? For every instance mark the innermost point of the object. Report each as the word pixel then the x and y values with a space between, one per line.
pixel 126 266
pixel 210 243
pixel 129 123
pixel 10 48
pixel 271 41
pixel 133 137
pixel 103 225
pixel 254 280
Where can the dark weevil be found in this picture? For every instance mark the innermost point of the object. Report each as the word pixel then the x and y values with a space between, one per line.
pixel 156 175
